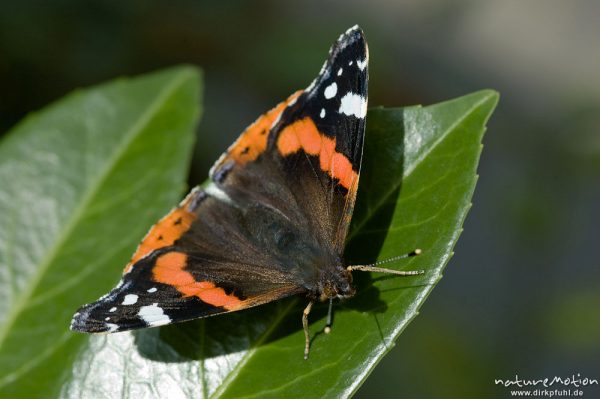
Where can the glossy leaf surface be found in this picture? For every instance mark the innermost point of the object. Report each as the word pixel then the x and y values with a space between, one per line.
pixel 80 183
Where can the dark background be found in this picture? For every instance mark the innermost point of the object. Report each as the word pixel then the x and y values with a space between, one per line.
pixel 521 295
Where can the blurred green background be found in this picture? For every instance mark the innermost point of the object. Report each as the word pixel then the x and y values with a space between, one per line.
pixel 522 294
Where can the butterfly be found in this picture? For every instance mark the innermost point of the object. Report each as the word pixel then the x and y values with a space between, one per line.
pixel 271 223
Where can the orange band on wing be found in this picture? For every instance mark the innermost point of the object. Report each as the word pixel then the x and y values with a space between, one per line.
pixel 164 233
pixel 170 269
pixel 253 141
pixel 304 135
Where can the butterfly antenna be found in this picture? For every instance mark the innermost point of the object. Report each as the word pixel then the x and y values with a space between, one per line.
pixel 305 326
pixel 373 266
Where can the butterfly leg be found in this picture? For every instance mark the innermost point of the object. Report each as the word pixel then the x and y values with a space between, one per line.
pixel 305 325
pixel 327 328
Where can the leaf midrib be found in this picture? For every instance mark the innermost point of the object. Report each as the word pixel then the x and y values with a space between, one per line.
pixel 231 376
pixel 132 133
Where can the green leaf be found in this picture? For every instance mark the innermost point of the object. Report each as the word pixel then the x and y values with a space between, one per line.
pixel 417 180
pixel 80 183
pixel 419 173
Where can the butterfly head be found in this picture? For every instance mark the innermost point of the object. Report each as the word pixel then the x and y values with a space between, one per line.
pixel 337 284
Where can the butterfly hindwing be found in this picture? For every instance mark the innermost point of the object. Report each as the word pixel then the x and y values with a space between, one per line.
pixel 205 271
pixel 272 221
pixel 141 301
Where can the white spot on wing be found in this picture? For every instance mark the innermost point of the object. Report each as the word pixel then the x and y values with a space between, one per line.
pixel 130 299
pixel 361 64
pixel 322 114
pixel 353 104
pixel 107 318
pixel 330 91
pixel 112 327
pixel 217 193
pixel 350 63
pixel 352 28
pixel 153 289
pixel 340 72
pixel 112 309
pixel 73 320
pixel 154 315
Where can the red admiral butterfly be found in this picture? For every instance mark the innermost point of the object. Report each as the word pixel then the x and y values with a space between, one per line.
pixel 271 223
